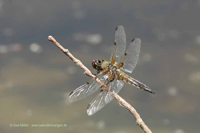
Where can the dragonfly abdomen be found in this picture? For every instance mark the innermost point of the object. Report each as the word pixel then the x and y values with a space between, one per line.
pixel 126 78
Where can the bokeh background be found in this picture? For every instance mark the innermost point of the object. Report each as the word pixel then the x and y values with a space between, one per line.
pixel 36 77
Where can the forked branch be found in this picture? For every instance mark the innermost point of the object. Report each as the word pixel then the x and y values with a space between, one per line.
pixel 132 110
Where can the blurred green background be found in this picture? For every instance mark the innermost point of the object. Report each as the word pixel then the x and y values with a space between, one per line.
pixel 36 77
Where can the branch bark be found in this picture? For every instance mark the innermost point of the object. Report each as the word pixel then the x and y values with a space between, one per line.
pixel 132 110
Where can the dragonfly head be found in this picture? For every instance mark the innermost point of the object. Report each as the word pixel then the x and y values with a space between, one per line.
pixel 96 64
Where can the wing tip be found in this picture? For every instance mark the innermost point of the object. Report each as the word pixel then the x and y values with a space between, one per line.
pixel 120 26
pixel 136 40
pixel 69 98
pixel 89 111
pixel 70 93
pixel 88 106
pixel 116 28
pixel 132 39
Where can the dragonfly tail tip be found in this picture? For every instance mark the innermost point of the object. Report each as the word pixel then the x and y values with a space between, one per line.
pixel 153 92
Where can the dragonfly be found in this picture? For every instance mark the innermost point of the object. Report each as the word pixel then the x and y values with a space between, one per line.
pixel 112 73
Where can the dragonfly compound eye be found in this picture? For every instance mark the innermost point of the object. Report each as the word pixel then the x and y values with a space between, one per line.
pixel 96 64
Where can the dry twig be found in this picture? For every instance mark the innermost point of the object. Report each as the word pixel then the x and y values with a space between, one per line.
pixel 139 120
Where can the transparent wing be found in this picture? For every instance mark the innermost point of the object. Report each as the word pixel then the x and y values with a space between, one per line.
pixel 115 86
pixel 97 103
pixel 86 89
pixel 132 55
pixel 120 44
pixel 104 97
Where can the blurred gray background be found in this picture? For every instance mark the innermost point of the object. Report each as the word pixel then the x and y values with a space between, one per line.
pixel 36 77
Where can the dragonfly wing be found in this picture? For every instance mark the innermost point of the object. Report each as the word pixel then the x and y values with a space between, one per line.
pixel 86 89
pixel 97 103
pixel 104 97
pixel 115 86
pixel 132 55
pixel 120 43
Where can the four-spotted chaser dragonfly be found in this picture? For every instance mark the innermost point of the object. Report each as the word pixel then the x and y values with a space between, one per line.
pixel 112 73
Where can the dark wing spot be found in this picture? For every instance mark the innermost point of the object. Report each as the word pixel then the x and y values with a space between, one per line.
pixel 115 43
pixel 101 90
pixel 133 40
pixel 71 93
pixel 88 106
pixel 125 54
pixel 116 28
pixel 87 83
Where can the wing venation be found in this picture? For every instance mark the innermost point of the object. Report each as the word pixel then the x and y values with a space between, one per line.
pixel 132 55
